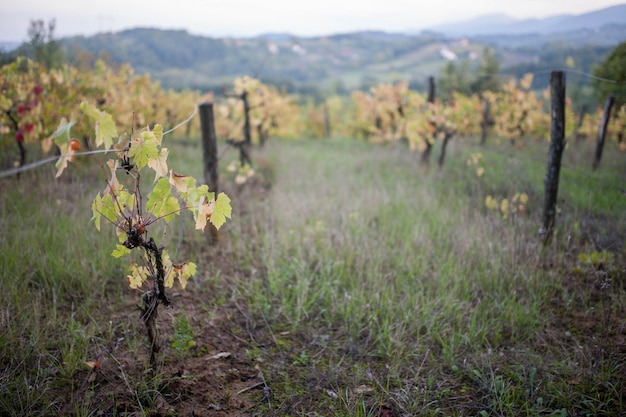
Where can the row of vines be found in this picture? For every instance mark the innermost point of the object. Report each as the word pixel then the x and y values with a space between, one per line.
pixel 34 100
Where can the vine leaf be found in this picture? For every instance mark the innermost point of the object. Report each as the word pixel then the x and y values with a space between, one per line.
pixel 120 251
pixel 105 126
pixel 103 207
pixel 161 202
pixel 143 149
pixel 182 183
pixel 221 210
pixel 138 274
pixel 159 164
pixel 173 271
pixel 113 185
pixel 66 145
pixel 203 213
pixel 158 134
pixel 183 272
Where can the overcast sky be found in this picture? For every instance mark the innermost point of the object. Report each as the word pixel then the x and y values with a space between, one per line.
pixel 241 18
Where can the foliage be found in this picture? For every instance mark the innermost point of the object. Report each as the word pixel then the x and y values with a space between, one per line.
pixel 612 68
pixel 42 47
pixel 33 99
pixel 133 217
pixel 183 338
pixel 518 111
pixel 272 113
pixel 125 208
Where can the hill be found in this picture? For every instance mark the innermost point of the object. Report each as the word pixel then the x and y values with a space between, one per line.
pixel 342 62
pixel 505 25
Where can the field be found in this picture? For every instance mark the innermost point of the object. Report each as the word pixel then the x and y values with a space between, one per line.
pixel 351 281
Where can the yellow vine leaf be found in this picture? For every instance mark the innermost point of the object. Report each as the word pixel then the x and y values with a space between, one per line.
pixel 202 214
pixel 491 203
pixel 138 274
pixel 62 139
pixel 159 164
pixel 168 279
pixel 181 272
pixel 113 185
pixel 181 182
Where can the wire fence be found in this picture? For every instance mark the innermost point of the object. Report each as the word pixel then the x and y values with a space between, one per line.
pixel 33 165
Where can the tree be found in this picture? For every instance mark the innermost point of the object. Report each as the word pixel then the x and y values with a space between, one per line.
pixel 488 76
pixel 42 47
pixel 612 68
pixel 454 79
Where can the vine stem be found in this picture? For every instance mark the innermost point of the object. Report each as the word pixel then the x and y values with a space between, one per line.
pixel 151 299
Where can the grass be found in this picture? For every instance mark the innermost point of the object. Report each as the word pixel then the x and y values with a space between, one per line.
pixel 351 282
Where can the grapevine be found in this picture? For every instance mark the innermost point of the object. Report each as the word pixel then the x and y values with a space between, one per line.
pixel 132 215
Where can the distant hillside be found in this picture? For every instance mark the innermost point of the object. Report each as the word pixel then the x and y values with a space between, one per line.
pixel 181 60
pixel 506 25
pixel 346 61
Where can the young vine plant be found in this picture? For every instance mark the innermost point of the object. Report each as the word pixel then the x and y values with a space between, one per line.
pixel 133 215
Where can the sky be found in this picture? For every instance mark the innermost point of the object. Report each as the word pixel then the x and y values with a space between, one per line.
pixel 243 18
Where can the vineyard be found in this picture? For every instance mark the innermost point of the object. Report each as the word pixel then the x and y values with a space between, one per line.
pixel 325 266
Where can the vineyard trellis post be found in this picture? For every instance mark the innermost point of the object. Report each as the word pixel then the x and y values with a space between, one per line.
pixel 486 122
pixel 608 105
pixel 209 153
pixel 579 122
pixel 557 145
pixel 431 100
pixel 326 120
pixel 246 121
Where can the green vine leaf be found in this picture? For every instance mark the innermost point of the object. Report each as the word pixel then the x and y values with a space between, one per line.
pixel 221 210
pixel 104 207
pixel 105 126
pixel 120 251
pixel 161 202
pixel 143 149
pixel 158 133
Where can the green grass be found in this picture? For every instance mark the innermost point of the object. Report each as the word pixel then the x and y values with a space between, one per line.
pixel 405 267
pixel 366 283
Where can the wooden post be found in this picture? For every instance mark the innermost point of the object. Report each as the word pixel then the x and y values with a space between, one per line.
pixel 579 123
pixel 431 99
pixel 446 139
pixel 247 136
pixel 209 154
pixel 557 145
pixel 209 146
pixel 486 122
pixel 608 105
pixel 326 120
pixel 431 89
